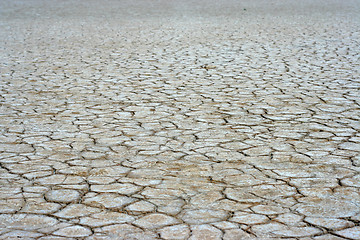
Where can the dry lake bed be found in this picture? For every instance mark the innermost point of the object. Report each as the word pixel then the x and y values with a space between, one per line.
pixel 164 119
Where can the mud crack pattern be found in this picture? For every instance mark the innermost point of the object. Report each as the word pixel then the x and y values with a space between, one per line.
pixel 179 119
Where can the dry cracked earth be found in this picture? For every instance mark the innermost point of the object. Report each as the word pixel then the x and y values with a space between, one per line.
pixel 180 119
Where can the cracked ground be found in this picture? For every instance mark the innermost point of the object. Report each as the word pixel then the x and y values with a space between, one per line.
pixel 180 119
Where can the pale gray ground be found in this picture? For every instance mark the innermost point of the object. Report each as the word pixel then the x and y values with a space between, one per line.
pixel 180 119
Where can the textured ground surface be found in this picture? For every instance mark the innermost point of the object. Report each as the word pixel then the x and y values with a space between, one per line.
pixel 180 120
